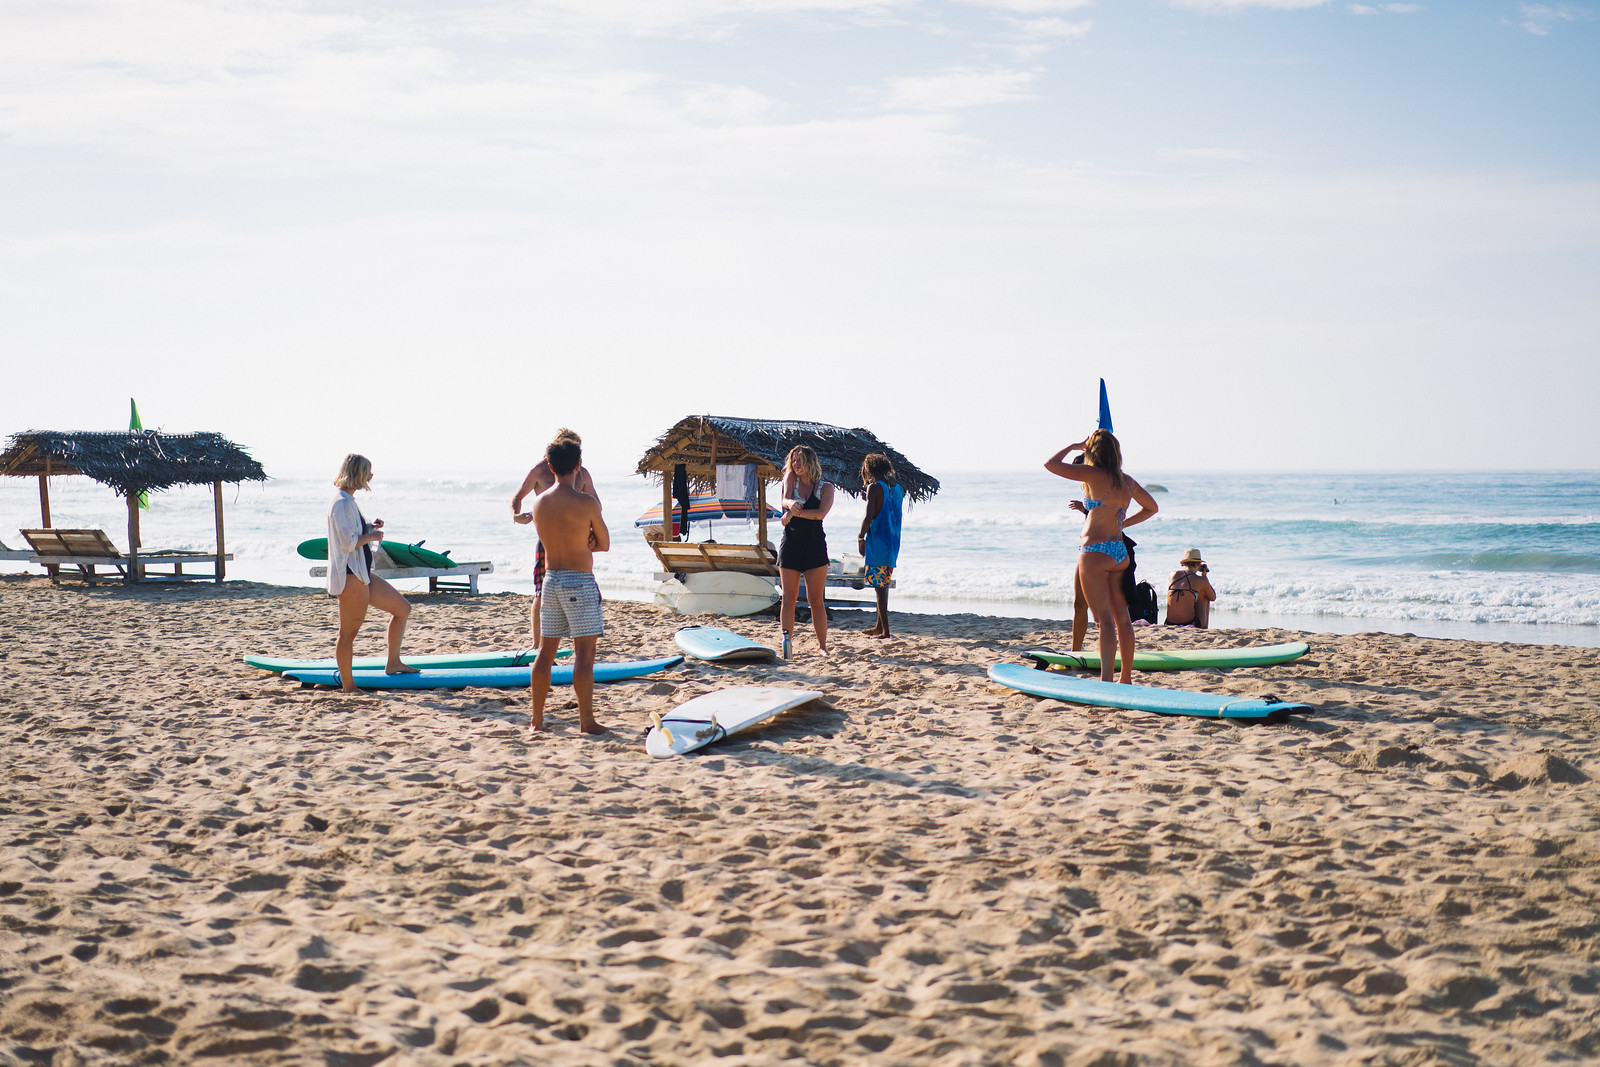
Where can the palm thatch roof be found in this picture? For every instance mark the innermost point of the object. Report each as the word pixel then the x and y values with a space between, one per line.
pixel 131 461
pixel 700 442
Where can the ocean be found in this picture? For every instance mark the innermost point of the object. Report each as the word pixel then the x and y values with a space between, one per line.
pixel 1507 557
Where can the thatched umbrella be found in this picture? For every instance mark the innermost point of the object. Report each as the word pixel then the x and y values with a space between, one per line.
pixel 132 462
pixel 701 442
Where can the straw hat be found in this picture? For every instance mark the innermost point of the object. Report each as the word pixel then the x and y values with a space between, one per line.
pixel 1192 556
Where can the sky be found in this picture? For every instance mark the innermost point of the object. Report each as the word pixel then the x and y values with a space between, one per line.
pixel 1288 233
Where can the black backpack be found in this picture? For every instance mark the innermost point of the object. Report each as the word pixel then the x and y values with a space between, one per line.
pixel 1141 597
pixel 1142 604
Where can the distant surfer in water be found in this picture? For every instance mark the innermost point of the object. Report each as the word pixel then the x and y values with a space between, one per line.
pixel 880 532
pixel 1102 557
pixel 803 550
pixel 572 530
pixel 538 480
pixel 351 577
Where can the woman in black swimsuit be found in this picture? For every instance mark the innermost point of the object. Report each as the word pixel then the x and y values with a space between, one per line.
pixel 803 551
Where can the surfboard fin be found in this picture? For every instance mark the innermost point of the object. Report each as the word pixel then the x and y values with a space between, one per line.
pixel 655 717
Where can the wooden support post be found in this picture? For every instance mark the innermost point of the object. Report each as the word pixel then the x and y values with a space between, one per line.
pixel 133 536
pixel 666 505
pixel 44 513
pixel 216 499
pixel 761 505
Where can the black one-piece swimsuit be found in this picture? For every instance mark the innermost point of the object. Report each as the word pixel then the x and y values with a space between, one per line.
pixel 804 546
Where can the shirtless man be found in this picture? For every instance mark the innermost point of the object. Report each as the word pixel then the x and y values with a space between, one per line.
pixel 572 529
pixel 538 480
pixel 1189 593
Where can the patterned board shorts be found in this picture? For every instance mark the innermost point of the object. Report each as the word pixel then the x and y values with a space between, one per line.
pixel 538 568
pixel 878 577
pixel 570 606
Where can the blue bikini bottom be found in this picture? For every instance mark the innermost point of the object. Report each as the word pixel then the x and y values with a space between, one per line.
pixel 1115 549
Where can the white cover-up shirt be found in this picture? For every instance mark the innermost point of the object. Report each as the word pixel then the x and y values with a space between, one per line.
pixel 344 554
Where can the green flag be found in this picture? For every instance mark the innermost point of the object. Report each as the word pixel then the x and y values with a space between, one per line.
pixel 135 424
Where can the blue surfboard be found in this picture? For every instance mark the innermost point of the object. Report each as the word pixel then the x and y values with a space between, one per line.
pixel 521 658
pixel 1094 692
pixel 716 645
pixel 488 677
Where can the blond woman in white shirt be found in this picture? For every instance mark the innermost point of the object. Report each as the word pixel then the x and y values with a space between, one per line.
pixel 350 575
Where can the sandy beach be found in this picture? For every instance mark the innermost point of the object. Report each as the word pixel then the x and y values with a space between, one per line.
pixel 203 862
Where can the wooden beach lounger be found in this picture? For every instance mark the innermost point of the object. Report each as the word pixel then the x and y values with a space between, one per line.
pixel 692 557
pixel 88 549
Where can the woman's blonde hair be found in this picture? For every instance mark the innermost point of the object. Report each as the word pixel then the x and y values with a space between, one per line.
pixel 354 473
pixel 1102 450
pixel 803 461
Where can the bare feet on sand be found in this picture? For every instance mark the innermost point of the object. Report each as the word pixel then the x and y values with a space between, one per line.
pixel 590 728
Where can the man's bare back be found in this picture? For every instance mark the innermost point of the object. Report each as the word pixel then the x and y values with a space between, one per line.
pixel 571 527
pixel 538 480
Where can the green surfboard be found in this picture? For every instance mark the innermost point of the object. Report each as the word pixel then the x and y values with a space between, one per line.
pixel 404 555
pixel 1186 660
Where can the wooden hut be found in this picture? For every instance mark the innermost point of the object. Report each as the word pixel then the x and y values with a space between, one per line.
pixel 703 442
pixel 131 462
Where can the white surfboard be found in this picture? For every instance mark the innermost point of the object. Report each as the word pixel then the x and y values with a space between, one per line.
pixel 717 593
pixel 698 722
pixel 716 645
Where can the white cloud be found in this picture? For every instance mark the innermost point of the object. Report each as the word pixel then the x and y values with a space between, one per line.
pixel 961 88
pixel 1362 9
pixel 1539 18
pixel 1218 6
pixel 1034 37
pixel 1208 155
pixel 1032 7
pixel 1393 9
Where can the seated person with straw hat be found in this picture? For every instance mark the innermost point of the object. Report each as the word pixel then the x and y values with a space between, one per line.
pixel 1189 593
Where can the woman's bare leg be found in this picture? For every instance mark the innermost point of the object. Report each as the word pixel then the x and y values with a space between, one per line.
pixel 1123 621
pixel 791 593
pixel 1094 569
pixel 352 611
pixel 1080 613
pixel 816 595
pixel 386 597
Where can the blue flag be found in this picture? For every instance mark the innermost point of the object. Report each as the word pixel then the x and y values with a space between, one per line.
pixel 1105 409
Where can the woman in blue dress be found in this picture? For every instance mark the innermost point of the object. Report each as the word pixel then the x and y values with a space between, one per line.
pixel 1102 557
pixel 880 532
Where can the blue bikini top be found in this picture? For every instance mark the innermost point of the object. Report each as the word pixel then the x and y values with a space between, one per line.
pixel 1090 505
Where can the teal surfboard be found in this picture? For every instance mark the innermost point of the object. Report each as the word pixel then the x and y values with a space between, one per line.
pixel 315 548
pixel 277 665
pixel 719 646
pixel 1185 660
pixel 488 677
pixel 1094 692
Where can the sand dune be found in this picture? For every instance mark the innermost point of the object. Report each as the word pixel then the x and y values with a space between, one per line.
pixel 205 863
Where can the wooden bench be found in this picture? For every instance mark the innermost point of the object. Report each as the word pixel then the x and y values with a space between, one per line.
pixel 88 549
pixel 435 575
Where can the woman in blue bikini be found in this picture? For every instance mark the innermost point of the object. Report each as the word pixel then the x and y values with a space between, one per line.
pixel 1102 557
